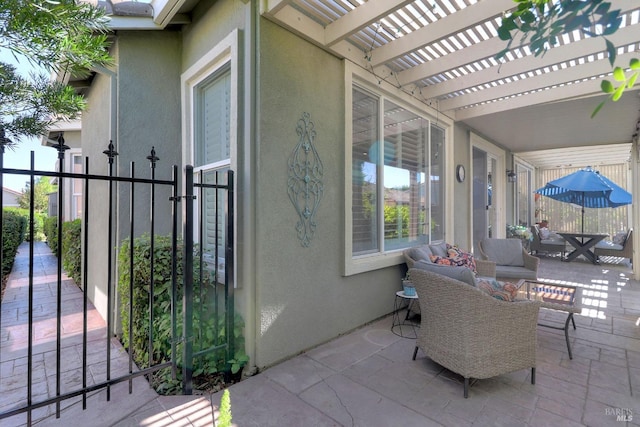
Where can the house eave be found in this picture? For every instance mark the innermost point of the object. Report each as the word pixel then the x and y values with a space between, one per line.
pixel 165 10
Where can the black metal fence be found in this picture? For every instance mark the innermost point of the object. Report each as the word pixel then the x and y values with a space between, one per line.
pixel 214 279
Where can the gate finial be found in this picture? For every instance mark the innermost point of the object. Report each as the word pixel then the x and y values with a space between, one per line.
pixel 111 152
pixel 60 146
pixel 153 158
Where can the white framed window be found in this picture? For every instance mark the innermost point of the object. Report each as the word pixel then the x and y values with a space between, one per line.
pixel 210 103
pixel 524 194
pixel 395 184
pixel 77 202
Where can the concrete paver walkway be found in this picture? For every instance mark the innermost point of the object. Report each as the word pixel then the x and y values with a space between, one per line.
pixel 367 377
pixel 14 349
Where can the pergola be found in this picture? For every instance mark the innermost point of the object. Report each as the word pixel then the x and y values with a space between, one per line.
pixel 442 52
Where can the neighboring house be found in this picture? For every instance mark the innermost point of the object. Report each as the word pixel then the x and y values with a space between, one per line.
pixel 225 84
pixel 10 198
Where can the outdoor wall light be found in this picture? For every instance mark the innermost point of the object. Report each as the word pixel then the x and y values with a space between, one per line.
pixel 511 175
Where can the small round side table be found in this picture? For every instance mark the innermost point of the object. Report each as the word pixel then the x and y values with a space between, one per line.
pixel 404 327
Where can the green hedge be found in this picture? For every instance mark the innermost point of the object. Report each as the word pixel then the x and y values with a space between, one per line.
pixel 38 223
pixel 71 245
pixel 13 226
pixel 72 250
pixel 208 323
pixel 51 232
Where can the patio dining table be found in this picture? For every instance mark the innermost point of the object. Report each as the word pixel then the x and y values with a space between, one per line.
pixel 583 244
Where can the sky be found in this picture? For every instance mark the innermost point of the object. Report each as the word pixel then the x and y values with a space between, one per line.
pixel 20 156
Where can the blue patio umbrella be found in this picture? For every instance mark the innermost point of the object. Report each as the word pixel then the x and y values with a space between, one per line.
pixel 586 188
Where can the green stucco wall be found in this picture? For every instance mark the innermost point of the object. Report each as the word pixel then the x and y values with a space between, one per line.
pixel 302 297
pixel 137 107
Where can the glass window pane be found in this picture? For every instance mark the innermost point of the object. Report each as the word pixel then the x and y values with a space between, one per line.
pixel 212 116
pixel 214 221
pixel 365 154
pixel 436 176
pixel 406 138
pixel 523 185
pixel 76 183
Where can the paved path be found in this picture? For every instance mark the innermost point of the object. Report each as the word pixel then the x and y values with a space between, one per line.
pixel 14 350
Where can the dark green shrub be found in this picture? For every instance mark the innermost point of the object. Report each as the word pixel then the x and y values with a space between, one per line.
pixel 72 250
pixel 13 226
pixel 51 232
pixel 208 314
pixel 38 227
pixel 38 223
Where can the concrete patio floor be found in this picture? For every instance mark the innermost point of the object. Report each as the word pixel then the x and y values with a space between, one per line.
pixel 367 377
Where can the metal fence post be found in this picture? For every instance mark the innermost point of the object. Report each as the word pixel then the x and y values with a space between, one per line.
pixel 187 301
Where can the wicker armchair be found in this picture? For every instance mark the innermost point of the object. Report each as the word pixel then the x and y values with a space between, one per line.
pixel 512 260
pixel 471 333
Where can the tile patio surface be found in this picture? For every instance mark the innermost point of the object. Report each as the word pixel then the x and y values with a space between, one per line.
pixel 365 378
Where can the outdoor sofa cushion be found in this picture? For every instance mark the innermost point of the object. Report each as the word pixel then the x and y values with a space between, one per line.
pixel 614 249
pixel 507 252
pixel 467 260
pixel 460 273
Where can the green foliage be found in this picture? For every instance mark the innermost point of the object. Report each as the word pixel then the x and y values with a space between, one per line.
pixel 72 249
pixel 208 313
pixel 41 191
pixel 71 245
pixel 541 22
pixel 50 229
pixel 224 420
pixel 38 223
pixel 13 227
pixel 65 36
pixel 619 75
pixel 396 221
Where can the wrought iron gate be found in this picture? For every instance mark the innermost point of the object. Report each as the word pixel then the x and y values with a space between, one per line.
pixel 201 282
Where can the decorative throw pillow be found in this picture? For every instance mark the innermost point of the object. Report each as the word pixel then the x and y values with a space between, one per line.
pixel 440 260
pixel 504 291
pixel 461 257
pixel 454 251
pixel 545 233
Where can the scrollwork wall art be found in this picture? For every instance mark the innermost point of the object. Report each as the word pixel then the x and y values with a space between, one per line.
pixel 305 186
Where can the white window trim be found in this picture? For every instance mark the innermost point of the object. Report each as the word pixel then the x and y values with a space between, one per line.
pixel 224 53
pixel 356 75
pixel 73 153
pixel 499 196
pixel 520 165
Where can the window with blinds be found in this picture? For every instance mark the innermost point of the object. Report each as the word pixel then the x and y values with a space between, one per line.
pixel 212 158
pixel 212 120
pixel 397 179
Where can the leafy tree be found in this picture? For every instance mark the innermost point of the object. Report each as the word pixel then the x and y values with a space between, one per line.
pixel 63 36
pixel 41 190
pixel 540 22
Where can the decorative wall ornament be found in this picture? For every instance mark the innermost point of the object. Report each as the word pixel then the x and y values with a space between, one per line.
pixel 305 186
